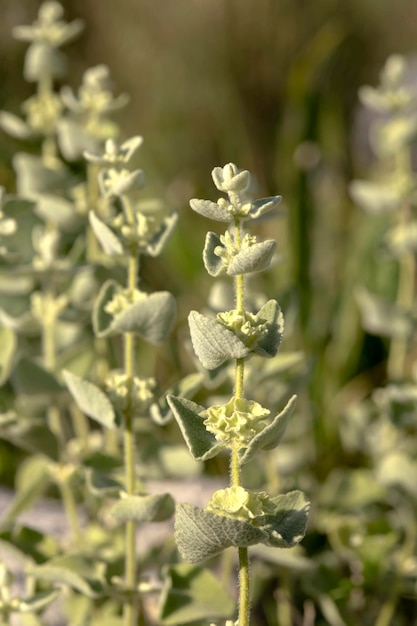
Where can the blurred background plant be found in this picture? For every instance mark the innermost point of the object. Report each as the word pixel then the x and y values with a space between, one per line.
pixel 273 86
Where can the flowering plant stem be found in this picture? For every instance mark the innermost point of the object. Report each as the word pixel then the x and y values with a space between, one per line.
pixel 244 594
pixel 130 609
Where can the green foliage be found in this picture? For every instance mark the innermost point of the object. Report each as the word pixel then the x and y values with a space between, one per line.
pixel 95 362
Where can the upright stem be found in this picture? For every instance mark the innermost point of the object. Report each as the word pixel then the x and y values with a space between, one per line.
pixel 240 307
pixel 130 608
pixel 244 605
pixel 405 293
pixel 49 147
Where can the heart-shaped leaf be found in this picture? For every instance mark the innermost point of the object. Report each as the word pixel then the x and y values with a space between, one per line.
pixel 108 240
pixel 212 342
pixel 211 210
pixel 201 443
pixel 201 534
pixel 148 508
pixel 271 435
pixel 287 525
pixel 152 317
pixel 91 400
pixel 268 344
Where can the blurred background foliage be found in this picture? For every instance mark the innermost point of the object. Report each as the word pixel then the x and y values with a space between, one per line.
pixel 272 86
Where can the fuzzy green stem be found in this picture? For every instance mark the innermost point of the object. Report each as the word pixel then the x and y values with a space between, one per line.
pixel 45 84
pixel 240 278
pixel 239 377
pixel 234 465
pixel 131 606
pixel 240 307
pixel 244 603
pixel 49 147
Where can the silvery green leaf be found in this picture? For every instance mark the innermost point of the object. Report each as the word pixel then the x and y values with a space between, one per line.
pixel 73 140
pixel 21 241
pixel 118 102
pixel 271 435
pixel 268 344
pixel 14 126
pixel 34 178
pixel 264 205
pixel 147 508
pixel 120 183
pixel 155 247
pixel 230 178
pixel 70 32
pixel 152 317
pixel 201 534
pixel 212 261
pixel 201 443
pixel 287 525
pixel 374 198
pixel 256 258
pixel 111 245
pixel 380 317
pixel 191 594
pixel 211 210
pixel 212 342
pixel 58 210
pixel 91 400
pixel 100 318
pixel 129 147
pixel 42 59
pixel 402 239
